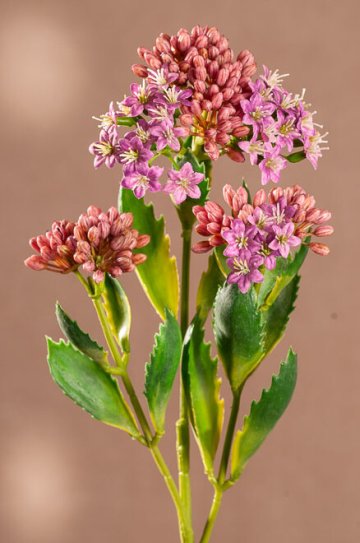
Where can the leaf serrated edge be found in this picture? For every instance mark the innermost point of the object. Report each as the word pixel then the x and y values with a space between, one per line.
pixel 291 355
pixel 51 343
pixel 85 334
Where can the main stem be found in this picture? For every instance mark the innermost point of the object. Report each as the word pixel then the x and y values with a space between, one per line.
pixel 219 489
pixel 154 449
pixel 183 431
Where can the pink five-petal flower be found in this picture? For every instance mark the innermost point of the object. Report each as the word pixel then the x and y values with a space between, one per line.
pixel 167 136
pixel 106 150
pixel 271 165
pixel 142 179
pixel 184 183
pixel 284 239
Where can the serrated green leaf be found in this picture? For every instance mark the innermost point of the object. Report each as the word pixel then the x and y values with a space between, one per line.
pixel 221 260
pixel 161 370
pixel 209 284
pixel 158 274
pixel 202 388
pixel 78 338
pixel 118 311
pixel 238 330
pixel 277 279
pixel 276 317
pixel 264 414
pixel 89 386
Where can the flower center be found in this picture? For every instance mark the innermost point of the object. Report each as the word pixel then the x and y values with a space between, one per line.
pixel 241 266
pixel 105 148
pixel 130 156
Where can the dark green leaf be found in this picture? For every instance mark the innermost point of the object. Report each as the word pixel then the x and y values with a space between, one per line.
pixel 162 368
pixel 238 332
pixel 118 311
pixel 277 279
pixel 78 338
pixel 209 284
pixel 158 274
pixel 296 157
pixel 264 414
pixel 89 386
pixel 202 386
pixel 276 317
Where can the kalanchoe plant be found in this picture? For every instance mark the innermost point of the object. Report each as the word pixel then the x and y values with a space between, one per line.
pixel 196 102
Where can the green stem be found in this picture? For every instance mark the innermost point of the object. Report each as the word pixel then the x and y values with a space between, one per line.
pixel 221 486
pixel 182 426
pixel 212 515
pixel 229 435
pixel 155 451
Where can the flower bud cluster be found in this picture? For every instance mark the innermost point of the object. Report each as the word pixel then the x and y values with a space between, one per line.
pixel 100 242
pixel 203 61
pixel 257 233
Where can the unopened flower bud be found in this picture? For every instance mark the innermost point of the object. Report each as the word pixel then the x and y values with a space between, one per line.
pixel 322 231
pixel 319 248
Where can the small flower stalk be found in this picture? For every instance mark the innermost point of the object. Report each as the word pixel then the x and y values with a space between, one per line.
pixel 194 101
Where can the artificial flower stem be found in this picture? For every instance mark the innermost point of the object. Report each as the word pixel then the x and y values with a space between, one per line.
pixel 182 426
pixel 212 515
pixel 155 451
pixel 220 487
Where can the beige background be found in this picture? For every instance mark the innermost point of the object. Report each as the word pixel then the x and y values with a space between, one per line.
pixel 67 478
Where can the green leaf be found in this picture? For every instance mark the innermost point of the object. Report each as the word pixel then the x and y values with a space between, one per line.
pixel 118 311
pixel 158 274
pixel 277 279
pixel 202 387
pixel 264 414
pixel 238 330
pixel 209 284
pixel 276 317
pixel 161 370
pixel 296 157
pixel 221 260
pixel 89 386
pixel 78 338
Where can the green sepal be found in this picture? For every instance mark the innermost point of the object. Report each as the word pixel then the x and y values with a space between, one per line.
pixel 221 260
pixel 276 317
pixel 277 279
pixel 161 370
pixel 202 386
pixel 238 330
pixel 210 282
pixel 89 386
pixel 78 338
pixel 165 293
pixel 118 311
pixel 296 157
pixel 264 414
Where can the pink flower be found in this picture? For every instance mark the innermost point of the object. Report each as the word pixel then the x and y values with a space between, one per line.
pixel 106 150
pixel 106 241
pixel 284 239
pixel 184 183
pixel 271 165
pixel 142 179
pixel 56 249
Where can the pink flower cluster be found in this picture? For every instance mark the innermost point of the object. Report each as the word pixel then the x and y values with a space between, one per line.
pixel 203 61
pixel 151 109
pixel 100 242
pixel 257 233
pixel 279 121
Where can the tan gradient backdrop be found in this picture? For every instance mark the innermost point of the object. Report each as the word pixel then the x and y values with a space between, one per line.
pixel 67 478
